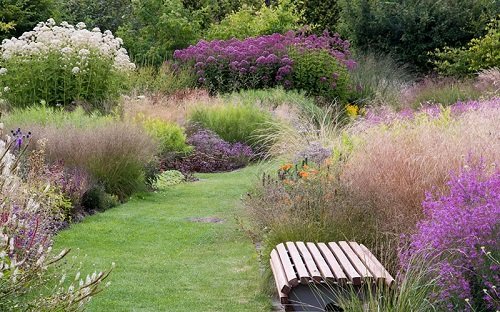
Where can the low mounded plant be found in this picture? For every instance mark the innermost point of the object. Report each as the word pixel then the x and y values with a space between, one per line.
pixel 170 136
pixel 212 154
pixel 479 54
pixel 62 65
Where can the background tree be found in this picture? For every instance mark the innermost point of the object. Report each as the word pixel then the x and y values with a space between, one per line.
pixel 410 29
pixel 105 14
pixel 19 16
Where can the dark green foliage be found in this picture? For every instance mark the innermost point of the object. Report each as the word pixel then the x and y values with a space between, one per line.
pixel 213 11
pixel 156 28
pixel 19 16
pixel 480 53
pixel 109 14
pixel 411 29
pixel 319 74
pixel 321 14
pixel 96 199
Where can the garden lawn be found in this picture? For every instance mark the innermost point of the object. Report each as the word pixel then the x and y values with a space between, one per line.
pixel 164 262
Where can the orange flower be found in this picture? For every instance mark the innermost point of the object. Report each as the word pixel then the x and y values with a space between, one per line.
pixel 286 167
pixel 303 174
pixel 305 166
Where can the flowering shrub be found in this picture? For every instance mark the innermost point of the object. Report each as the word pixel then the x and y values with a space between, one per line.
pixel 61 65
pixel 464 225
pixel 213 154
pixel 260 62
pixel 27 220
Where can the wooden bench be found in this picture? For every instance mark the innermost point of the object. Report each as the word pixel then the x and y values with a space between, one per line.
pixel 306 273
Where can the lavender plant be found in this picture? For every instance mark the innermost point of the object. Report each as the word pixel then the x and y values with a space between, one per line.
pixel 463 227
pixel 26 230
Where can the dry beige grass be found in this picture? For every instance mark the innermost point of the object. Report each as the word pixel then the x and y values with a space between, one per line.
pixel 172 108
pixel 393 167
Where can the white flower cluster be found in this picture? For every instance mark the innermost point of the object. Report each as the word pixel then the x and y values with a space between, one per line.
pixel 47 37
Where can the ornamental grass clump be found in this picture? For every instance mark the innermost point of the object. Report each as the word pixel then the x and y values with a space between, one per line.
pixel 61 65
pixel 462 227
pixel 395 159
pixel 266 61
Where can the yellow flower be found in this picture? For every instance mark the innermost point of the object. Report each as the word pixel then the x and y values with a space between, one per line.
pixel 352 110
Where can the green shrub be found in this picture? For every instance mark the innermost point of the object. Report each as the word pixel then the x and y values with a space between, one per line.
pixel 96 199
pixel 319 74
pixel 156 28
pixel 17 17
pixel 480 53
pixel 250 23
pixel 213 11
pixel 411 29
pixel 51 65
pixel 234 123
pixel 170 136
pixel 320 14
pixel 169 178
pixel 165 79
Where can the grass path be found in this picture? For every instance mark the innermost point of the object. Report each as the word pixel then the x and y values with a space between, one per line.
pixel 165 262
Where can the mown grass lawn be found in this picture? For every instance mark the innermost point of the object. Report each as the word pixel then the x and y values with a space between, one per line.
pixel 164 262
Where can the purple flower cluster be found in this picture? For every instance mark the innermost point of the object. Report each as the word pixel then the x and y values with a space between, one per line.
pixel 257 62
pixel 213 154
pixel 72 182
pixel 463 228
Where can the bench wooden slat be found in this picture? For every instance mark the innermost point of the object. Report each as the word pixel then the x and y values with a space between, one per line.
pixel 279 273
pixel 389 280
pixel 345 263
pixel 356 262
pixel 374 269
pixel 309 261
pixel 320 262
pixel 287 265
pixel 300 267
pixel 333 263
